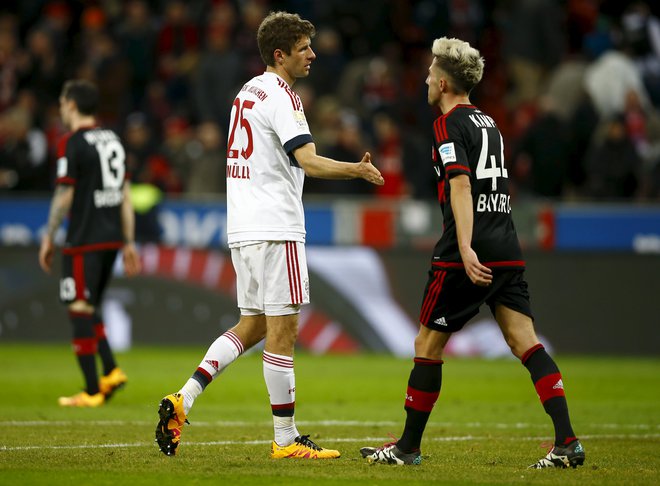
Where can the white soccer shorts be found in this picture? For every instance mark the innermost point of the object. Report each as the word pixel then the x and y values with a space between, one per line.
pixel 271 277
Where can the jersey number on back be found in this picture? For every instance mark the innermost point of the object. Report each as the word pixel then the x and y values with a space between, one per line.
pixel 232 153
pixel 112 157
pixel 494 171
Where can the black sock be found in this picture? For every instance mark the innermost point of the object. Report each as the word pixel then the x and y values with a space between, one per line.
pixel 423 391
pixel 103 347
pixel 84 346
pixel 550 389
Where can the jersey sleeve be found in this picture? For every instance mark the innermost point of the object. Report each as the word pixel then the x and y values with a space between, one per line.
pixel 66 170
pixel 289 121
pixel 451 149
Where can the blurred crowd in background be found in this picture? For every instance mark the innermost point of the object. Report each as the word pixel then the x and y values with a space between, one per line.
pixel 574 86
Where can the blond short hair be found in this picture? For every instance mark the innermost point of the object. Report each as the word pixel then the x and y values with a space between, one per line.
pixel 460 61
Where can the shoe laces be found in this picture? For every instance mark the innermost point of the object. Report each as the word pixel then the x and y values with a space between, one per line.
pixel 307 442
pixel 394 438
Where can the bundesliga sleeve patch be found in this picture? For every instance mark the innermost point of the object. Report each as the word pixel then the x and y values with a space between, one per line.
pixel 300 119
pixel 447 153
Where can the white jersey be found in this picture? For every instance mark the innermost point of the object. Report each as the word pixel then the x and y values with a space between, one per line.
pixel 264 181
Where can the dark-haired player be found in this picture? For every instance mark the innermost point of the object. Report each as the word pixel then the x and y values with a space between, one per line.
pixel 92 189
pixel 269 151
pixel 477 260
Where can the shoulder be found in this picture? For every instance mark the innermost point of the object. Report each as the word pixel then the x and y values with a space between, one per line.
pixel 63 143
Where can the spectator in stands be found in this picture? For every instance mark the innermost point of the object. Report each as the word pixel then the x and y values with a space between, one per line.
pixel 217 75
pixel 612 163
pixel 177 51
pixel 207 151
pixel 642 33
pixel 539 159
pixel 136 37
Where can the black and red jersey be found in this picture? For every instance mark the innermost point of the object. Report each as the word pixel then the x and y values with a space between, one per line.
pixel 467 141
pixel 93 161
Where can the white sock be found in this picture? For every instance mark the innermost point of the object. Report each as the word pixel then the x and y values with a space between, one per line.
pixel 281 384
pixel 191 390
pixel 220 354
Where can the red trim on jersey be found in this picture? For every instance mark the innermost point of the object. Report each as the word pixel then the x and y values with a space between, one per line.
pixel 79 275
pixel 550 386
pixel 449 167
pixel 61 145
pixel 431 297
pixel 84 346
pixel 65 180
pixel 420 400
pixel 110 245
pixel 78 315
pixel 293 269
pixel 505 263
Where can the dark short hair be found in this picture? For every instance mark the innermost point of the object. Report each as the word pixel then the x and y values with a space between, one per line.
pixel 281 30
pixel 84 94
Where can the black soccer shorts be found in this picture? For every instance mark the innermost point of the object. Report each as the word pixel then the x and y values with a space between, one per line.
pixel 451 299
pixel 85 275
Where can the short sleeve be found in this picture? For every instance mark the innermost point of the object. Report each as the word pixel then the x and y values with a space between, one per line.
pixel 289 121
pixel 451 149
pixel 66 170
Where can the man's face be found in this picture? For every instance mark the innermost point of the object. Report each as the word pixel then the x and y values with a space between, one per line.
pixel 298 62
pixel 433 82
pixel 65 111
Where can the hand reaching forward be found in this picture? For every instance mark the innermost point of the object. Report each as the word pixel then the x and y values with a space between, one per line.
pixel 369 172
pixel 478 274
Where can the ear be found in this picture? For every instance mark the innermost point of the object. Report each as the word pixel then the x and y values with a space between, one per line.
pixel 278 55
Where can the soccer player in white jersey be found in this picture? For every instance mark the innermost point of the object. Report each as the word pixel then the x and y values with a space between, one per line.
pixel 269 152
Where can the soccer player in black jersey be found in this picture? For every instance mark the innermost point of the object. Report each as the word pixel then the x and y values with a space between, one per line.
pixel 477 260
pixel 92 189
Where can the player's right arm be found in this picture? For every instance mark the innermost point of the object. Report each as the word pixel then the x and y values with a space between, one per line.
pixel 321 167
pixel 59 207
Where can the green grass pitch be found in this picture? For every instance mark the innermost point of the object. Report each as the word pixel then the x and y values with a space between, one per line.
pixel 486 427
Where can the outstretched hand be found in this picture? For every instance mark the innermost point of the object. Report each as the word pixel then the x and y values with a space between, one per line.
pixel 369 171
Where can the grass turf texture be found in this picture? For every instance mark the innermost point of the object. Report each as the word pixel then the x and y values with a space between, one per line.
pixel 486 428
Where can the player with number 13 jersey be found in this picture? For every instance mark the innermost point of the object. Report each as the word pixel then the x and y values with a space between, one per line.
pixel 93 160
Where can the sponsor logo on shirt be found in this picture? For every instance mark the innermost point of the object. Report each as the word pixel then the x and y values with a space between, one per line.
pixel 447 153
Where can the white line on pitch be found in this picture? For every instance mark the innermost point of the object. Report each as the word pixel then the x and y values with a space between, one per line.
pixel 311 423
pixel 375 440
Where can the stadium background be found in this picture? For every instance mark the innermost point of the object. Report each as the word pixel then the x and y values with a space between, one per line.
pixel 584 169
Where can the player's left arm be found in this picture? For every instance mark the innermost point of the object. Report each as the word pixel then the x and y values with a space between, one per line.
pixel 129 251
pixel 462 208
pixel 59 208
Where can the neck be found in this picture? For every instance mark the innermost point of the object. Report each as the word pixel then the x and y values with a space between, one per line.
pixel 82 121
pixel 281 72
pixel 449 101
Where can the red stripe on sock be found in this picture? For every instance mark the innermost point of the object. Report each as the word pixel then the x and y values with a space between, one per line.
pixel 83 346
pixel 427 362
pixel 235 340
pixel 420 400
pixel 206 374
pixel 99 330
pixel 284 406
pixel 550 386
pixel 527 354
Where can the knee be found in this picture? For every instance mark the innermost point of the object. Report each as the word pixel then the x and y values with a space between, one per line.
pixel 428 346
